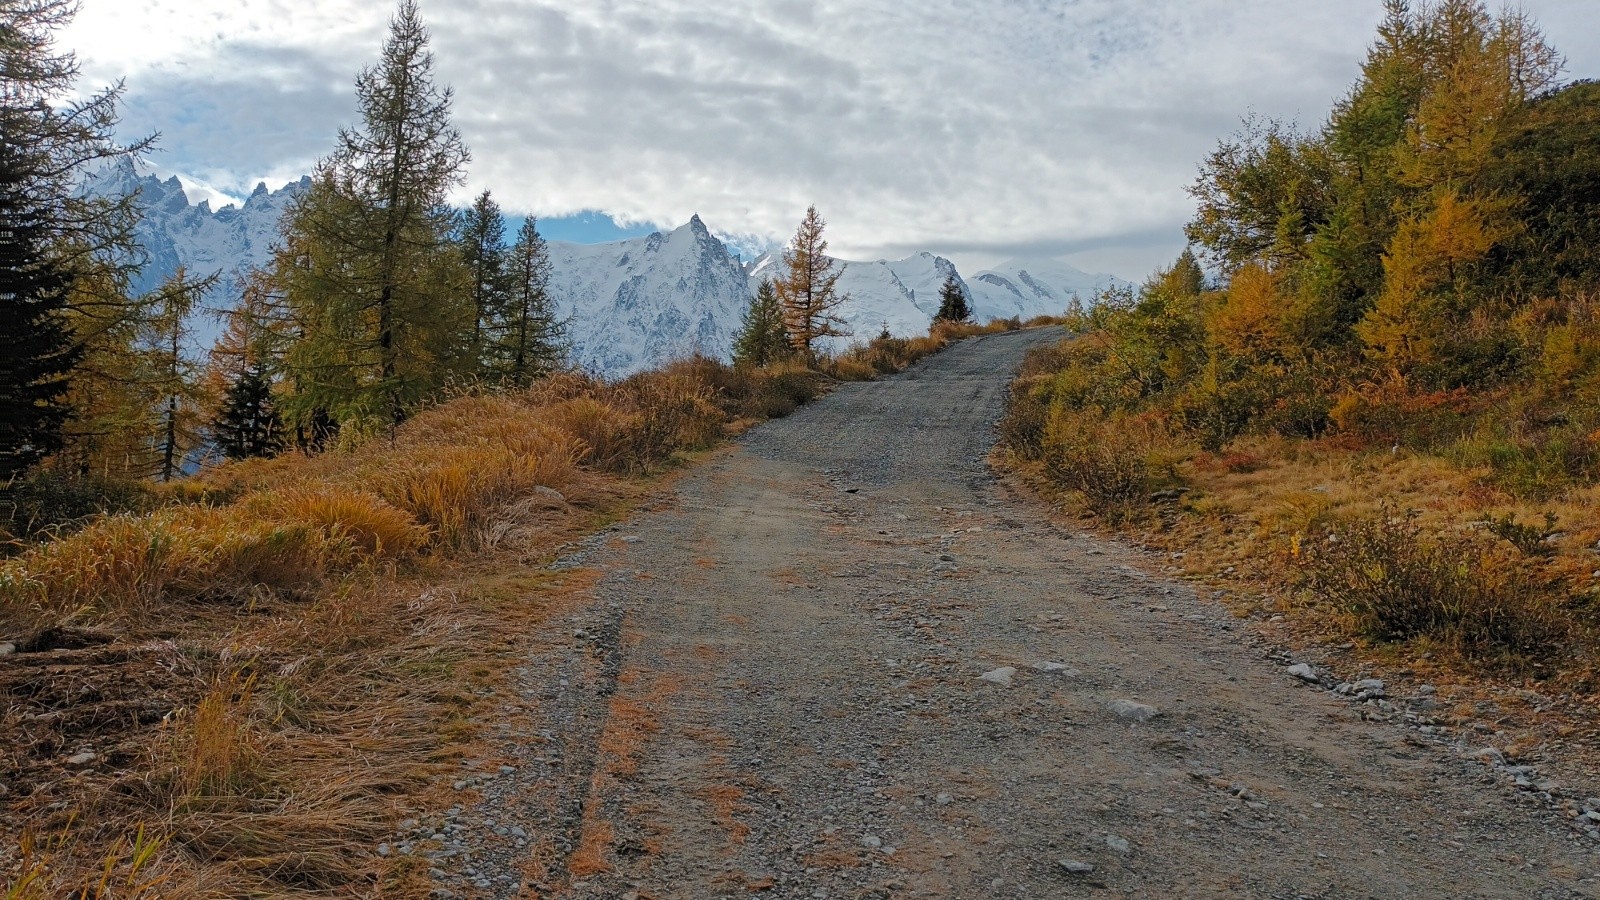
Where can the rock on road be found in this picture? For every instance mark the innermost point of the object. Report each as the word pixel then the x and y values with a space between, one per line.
pixel 844 661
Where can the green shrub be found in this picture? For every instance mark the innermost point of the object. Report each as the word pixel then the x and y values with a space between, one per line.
pixel 44 502
pixel 1394 581
pixel 1111 461
pixel 1534 464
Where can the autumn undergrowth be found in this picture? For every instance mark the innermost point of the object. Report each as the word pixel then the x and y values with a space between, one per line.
pixel 1483 562
pixel 272 659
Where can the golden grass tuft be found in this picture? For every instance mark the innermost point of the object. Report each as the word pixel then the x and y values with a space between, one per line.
pixel 287 648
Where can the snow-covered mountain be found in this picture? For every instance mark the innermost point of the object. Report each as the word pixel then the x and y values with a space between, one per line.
pixel 637 303
pixel 903 295
pixel 173 232
pixel 1031 287
pixel 632 304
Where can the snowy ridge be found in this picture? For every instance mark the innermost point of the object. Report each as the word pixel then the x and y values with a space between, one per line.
pixel 638 303
pixel 632 304
pixel 230 240
pixel 903 295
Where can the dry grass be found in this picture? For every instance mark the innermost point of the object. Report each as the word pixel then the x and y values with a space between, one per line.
pixel 257 675
pixel 1410 552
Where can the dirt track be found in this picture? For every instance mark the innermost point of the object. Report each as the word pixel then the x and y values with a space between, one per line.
pixel 775 689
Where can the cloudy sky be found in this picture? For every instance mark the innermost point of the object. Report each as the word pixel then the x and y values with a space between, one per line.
pixel 980 129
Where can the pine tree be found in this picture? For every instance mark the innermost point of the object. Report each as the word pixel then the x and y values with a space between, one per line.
pixel 366 263
pixel 245 421
pixel 762 339
pixel 40 352
pixel 248 424
pixel 482 234
pixel 808 289
pixel 531 339
pixel 66 257
pixel 953 301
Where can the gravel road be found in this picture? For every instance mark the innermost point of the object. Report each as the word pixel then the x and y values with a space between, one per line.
pixel 843 661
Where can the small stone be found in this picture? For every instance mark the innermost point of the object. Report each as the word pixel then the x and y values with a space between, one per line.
pixel 1368 688
pixel 1304 672
pixel 872 841
pixel 1055 668
pixel 631 539
pixel 383 850
pixel 507 770
pixel 1133 711
pixel 7 649
pixel 1076 867
pixel 1118 845
pixel 550 494
pixel 944 799
pixel 1000 676
pixel 82 759
pixel 1591 804
pixel 1489 755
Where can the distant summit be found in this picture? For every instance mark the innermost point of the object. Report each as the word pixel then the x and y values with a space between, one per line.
pixel 633 304
pixel 173 232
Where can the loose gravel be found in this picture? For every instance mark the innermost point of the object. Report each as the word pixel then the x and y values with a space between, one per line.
pixel 845 662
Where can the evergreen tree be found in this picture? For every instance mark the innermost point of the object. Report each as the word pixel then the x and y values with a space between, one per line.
pixel 40 352
pixel 245 421
pixel 482 234
pixel 953 301
pixel 248 424
pixel 808 289
pixel 367 264
pixel 762 339
pixel 531 339
pixel 66 257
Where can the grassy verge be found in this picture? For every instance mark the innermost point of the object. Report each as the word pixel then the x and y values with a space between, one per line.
pixel 1440 556
pixel 235 692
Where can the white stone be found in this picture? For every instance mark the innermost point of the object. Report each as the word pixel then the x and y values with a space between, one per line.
pixel 1304 672
pixel 1000 676
pixel 1133 711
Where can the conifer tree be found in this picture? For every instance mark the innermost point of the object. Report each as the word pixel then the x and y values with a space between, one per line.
pixel 367 264
pixel 808 289
pixel 953 301
pixel 531 338
pixel 762 339
pixel 248 424
pixel 482 233
pixel 245 422
pixel 67 257
pixel 170 375
pixel 40 352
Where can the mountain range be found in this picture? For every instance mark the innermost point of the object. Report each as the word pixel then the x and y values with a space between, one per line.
pixel 631 304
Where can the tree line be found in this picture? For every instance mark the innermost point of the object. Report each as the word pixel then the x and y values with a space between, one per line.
pixel 790 315
pixel 378 295
pixel 1423 265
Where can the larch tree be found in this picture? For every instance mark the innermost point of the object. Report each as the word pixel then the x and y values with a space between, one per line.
pixel 953 306
pixel 808 289
pixel 530 337
pixel 170 376
pixel 762 340
pixel 367 262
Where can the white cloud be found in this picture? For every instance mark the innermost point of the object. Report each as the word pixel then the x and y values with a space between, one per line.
pixel 972 128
